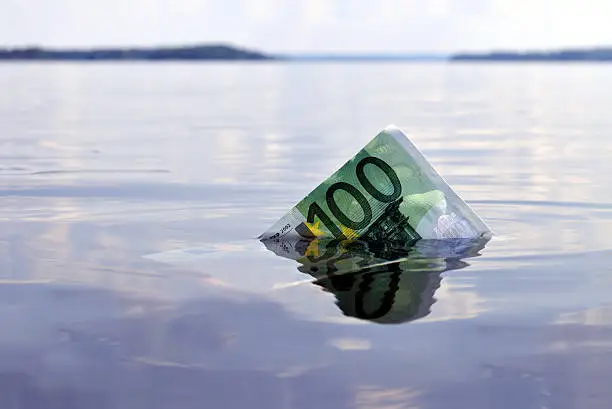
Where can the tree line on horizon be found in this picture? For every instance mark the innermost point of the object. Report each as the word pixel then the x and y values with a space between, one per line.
pixel 226 52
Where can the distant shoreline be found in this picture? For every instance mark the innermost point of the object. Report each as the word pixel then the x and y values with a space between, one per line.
pixel 567 55
pixel 186 53
pixel 214 52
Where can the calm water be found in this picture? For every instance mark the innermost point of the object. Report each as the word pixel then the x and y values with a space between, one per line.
pixel 131 195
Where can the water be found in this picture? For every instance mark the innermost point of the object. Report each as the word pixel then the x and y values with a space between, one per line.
pixel 131 195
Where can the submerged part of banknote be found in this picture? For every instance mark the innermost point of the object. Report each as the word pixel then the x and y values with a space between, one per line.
pixel 387 191
pixel 384 282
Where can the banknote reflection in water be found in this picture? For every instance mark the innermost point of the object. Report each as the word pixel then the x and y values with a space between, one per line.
pixel 384 282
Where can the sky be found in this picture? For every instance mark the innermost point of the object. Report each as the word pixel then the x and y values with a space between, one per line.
pixel 311 26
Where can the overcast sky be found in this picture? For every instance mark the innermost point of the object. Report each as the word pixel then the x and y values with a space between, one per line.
pixel 311 25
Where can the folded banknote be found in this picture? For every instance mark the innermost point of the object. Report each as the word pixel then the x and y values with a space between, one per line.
pixel 388 191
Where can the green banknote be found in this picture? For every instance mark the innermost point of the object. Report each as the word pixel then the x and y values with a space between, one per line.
pixel 387 191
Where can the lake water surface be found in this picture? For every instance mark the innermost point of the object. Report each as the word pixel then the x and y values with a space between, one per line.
pixel 131 196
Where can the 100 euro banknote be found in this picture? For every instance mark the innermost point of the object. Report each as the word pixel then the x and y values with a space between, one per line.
pixel 387 191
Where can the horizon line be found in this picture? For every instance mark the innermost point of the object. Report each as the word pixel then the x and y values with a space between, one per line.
pixel 304 52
